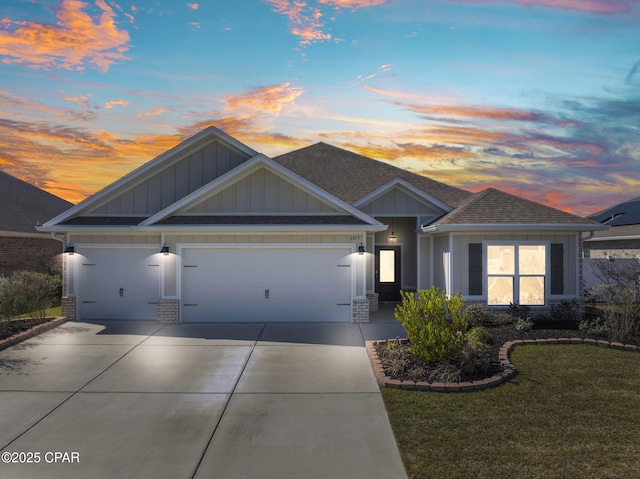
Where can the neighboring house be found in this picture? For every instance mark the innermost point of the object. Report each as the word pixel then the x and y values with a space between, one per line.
pixel 22 208
pixel 619 243
pixel 211 230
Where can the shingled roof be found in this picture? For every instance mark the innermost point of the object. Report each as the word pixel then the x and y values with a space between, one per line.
pixel 350 176
pixel 22 205
pixel 495 207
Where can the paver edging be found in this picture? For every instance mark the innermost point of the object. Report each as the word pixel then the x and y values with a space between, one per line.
pixel 508 369
pixel 31 332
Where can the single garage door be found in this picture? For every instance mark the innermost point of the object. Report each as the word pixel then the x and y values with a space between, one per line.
pixel 266 284
pixel 118 283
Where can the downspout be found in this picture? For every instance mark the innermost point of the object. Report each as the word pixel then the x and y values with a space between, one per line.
pixel 64 262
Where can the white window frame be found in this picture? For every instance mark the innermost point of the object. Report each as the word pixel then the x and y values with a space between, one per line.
pixel 516 275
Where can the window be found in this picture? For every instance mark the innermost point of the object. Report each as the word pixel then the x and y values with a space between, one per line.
pixel 516 274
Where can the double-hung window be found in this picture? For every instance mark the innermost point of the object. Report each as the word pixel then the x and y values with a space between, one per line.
pixel 516 274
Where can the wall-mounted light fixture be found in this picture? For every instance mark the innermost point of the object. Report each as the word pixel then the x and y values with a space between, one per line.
pixel 69 249
pixel 361 249
pixel 392 236
pixel 165 249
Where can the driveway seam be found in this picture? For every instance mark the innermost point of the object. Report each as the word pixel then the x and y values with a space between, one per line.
pixel 226 404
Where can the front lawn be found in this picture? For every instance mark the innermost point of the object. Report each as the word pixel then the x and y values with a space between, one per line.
pixel 571 411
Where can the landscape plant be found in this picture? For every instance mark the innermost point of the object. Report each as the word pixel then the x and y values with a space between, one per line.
pixel 28 292
pixel 435 323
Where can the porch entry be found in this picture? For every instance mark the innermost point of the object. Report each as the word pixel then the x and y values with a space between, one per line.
pixel 388 273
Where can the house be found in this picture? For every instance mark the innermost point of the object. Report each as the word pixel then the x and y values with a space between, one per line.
pixel 22 208
pixel 212 230
pixel 620 244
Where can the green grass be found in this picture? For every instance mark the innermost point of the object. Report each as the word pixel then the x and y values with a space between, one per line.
pixel 49 313
pixel 573 411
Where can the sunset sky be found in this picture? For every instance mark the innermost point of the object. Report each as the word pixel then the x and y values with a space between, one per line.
pixel 540 98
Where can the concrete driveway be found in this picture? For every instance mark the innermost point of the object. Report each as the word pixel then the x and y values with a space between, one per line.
pixel 140 399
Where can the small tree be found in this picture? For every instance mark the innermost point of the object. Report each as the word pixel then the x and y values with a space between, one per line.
pixel 435 324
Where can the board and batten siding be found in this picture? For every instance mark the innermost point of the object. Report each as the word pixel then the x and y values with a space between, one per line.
pixel 569 257
pixel 398 202
pixel 262 192
pixel 174 182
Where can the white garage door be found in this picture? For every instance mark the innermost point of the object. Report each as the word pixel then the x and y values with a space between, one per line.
pixel 118 283
pixel 266 284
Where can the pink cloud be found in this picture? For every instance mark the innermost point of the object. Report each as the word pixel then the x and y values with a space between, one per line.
pixel 110 104
pixel 193 6
pixel 71 43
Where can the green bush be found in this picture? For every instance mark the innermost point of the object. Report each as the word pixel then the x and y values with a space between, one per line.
pixel 479 338
pixel 435 324
pixel 524 324
pixel 476 314
pixel 28 292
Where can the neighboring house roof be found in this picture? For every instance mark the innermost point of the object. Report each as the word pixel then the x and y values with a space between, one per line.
pixel 624 219
pixel 354 176
pixel 23 206
pixel 495 209
pixel 626 213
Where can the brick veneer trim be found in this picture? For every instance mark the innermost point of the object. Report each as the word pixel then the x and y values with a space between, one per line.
pixel 508 369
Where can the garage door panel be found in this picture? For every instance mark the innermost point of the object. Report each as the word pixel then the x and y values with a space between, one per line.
pixel 266 284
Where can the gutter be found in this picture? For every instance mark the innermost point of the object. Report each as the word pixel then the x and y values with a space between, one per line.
pixel 511 227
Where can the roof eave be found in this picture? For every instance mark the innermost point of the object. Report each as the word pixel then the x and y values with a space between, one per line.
pixel 511 227
pixel 243 229
pixel 614 238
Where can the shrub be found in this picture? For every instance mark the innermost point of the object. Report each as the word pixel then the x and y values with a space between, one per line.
pixel 473 362
pixel 524 324
pixel 565 311
pixel 598 327
pixel 621 313
pixel 435 324
pixel 476 314
pixel 500 319
pixel 518 311
pixel 479 338
pixel 28 292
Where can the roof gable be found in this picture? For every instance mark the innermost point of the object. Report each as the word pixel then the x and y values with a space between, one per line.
pixel 495 208
pixel 23 206
pixel 400 198
pixel 350 176
pixel 165 179
pixel 258 187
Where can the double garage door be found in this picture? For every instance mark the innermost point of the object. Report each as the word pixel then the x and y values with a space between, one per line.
pixel 266 284
pixel 219 284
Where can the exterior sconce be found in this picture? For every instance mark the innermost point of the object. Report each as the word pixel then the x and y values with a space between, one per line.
pixel 69 249
pixel 165 249
pixel 361 249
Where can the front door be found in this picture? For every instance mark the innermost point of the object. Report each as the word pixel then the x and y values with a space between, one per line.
pixel 388 273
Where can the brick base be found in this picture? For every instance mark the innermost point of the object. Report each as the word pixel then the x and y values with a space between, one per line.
pixel 168 311
pixel 373 301
pixel 69 308
pixel 361 310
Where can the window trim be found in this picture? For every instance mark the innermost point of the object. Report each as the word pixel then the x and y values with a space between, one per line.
pixel 516 276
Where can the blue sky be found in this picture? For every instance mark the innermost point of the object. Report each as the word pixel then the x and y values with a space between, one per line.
pixel 539 98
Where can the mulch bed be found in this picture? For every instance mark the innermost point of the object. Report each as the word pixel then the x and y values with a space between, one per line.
pixel 16 330
pixel 417 371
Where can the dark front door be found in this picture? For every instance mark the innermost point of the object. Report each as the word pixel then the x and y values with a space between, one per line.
pixel 388 273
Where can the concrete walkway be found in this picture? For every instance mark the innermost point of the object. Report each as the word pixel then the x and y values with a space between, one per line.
pixel 144 400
